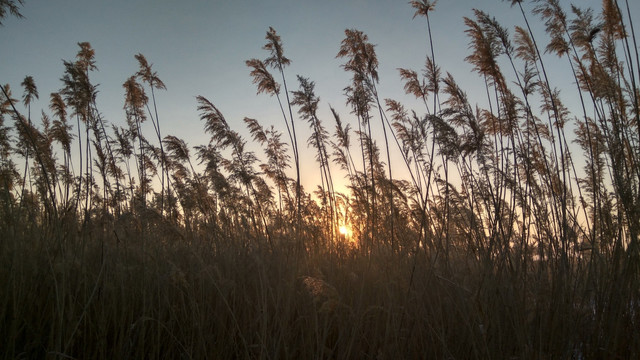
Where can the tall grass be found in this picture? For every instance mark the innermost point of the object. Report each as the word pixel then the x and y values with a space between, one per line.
pixel 513 235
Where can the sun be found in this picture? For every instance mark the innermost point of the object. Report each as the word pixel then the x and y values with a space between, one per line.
pixel 346 235
pixel 345 232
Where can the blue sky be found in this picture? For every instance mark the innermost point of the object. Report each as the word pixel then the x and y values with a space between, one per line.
pixel 199 47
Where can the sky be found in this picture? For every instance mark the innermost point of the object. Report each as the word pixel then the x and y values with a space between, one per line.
pixel 199 47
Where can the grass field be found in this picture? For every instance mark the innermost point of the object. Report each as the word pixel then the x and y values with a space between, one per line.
pixel 513 232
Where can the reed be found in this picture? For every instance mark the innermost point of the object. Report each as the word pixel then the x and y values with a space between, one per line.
pixel 513 233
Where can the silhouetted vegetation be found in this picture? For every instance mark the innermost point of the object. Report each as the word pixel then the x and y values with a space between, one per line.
pixel 513 234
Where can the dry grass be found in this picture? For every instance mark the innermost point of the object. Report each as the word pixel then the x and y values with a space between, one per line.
pixel 502 242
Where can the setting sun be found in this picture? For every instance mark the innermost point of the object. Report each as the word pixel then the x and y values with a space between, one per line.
pixel 346 233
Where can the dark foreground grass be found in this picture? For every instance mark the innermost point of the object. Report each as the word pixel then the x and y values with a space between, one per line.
pixel 100 295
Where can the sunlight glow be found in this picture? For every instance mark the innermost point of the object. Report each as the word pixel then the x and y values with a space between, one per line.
pixel 346 234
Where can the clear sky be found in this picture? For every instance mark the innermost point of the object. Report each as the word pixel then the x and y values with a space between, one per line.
pixel 198 47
